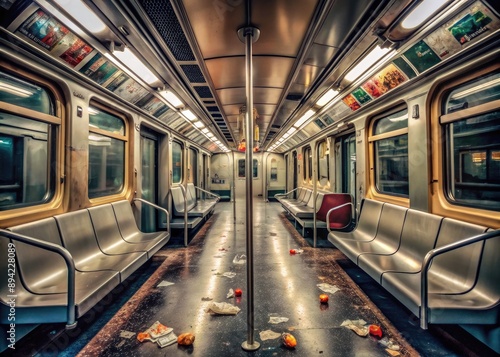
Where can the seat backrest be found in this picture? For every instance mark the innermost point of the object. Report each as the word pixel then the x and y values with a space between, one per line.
pixel 301 194
pixel 340 217
pixel 489 270
pixel 178 200
pixel 297 193
pixel 37 264
pixel 391 223
pixel 460 265
pixel 77 234
pixel 191 196
pixel 419 235
pixel 319 200
pixel 307 196
pixel 105 226
pixel 125 218
pixel 310 202
pixel 369 216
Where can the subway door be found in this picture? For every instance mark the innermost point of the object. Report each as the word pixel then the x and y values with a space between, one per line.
pixel 149 182
pixel 240 184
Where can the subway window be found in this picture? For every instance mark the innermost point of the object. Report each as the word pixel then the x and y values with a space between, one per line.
pixel 193 166
pixel 471 120
pixel 307 164
pixel 29 131
pixel 107 143
pixel 323 157
pixel 176 162
pixel 389 160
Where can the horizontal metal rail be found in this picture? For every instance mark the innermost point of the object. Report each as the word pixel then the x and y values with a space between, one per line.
pixel 336 208
pixel 158 208
pixel 285 194
pixel 208 192
pixel 424 287
pixel 71 320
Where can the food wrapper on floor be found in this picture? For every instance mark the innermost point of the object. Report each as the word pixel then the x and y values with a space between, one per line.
pixel 155 331
pixel 358 326
pixel 222 308
pixel 240 259
pixel 167 340
pixel 268 335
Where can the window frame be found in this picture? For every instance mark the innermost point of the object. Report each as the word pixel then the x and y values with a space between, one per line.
pixel 56 144
pixel 373 190
pixel 183 154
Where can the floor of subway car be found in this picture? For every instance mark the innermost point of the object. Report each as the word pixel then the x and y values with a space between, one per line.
pixel 178 286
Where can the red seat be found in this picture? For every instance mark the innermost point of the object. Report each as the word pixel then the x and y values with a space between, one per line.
pixel 339 218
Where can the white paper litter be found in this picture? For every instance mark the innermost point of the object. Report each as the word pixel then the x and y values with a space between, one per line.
pixel 127 334
pixel 268 335
pixel 389 343
pixel 229 274
pixel 230 294
pixel 327 288
pixel 277 319
pixel 222 308
pixel 240 259
pixel 167 340
pixel 358 326
pixel 164 283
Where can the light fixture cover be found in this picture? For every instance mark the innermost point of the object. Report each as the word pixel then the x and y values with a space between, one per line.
pixel 171 98
pixel 304 118
pixel 370 59
pixel 188 114
pixel 82 14
pixel 421 12
pixel 328 96
pixel 128 58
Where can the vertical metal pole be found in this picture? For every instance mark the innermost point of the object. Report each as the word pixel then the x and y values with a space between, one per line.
pixel 248 33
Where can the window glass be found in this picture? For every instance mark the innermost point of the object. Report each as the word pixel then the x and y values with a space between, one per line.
pixel 473 145
pixel 307 163
pixel 193 172
pixel 176 162
pixel 26 145
pixel 255 171
pixel 274 170
pixel 106 153
pixel 391 154
pixel 24 94
pixel 323 163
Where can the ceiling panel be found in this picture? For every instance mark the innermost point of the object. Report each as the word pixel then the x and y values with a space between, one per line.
pixel 260 95
pixel 307 75
pixel 320 55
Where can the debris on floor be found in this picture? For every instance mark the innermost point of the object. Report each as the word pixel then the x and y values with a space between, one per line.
pixel 126 334
pixel 277 319
pixel 185 339
pixel 375 330
pixel 269 335
pixel 206 299
pixel 155 332
pixel 222 308
pixel 328 288
pixel 167 340
pixel 358 326
pixel 164 283
pixel 238 292
pixel 230 294
pixel 229 274
pixel 296 251
pixel 323 298
pixel 240 259
pixel 389 343
pixel 288 340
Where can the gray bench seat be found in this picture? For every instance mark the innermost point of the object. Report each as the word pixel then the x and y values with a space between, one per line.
pixel 79 239
pixel 418 236
pixel 386 239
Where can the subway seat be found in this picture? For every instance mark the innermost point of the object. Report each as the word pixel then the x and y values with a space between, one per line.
pixel 462 283
pixel 96 238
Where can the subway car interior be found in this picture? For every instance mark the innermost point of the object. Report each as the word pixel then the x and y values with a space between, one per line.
pixel 250 178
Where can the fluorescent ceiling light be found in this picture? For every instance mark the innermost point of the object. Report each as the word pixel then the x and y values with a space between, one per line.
pixel 328 96
pixel 134 64
pixel 188 114
pixel 422 12
pixel 304 118
pixel 205 131
pixel 82 14
pixel 199 124
pixel 291 130
pixel 371 58
pixel 171 98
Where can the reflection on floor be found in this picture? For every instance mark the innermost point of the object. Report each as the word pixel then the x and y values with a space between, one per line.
pixel 286 285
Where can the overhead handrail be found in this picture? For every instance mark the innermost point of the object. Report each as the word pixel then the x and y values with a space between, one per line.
pixel 71 320
pixel 424 287
pixel 336 208
pixel 158 208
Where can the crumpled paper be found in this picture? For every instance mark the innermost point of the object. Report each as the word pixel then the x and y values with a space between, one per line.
pixel 358 326
pixel 222 308
pixel 269 335
pixel 327 288
pixel 240 259
pixel 230 294
pixel 277 319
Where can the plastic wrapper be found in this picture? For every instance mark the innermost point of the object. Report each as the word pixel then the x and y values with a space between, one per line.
pixel 222 308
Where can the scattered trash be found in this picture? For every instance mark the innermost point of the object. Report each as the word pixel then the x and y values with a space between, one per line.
pixel 155 331
pixel 218 256
pixel 389 343
pixel 392 353
pixel 229 274
pixel 206 299
pixel 127 334
pixel 269 335
pixel 277 319
pixel 222 308
pixel 358 326
pixel 122 342
pixel 296 251
pixel 238 292
pixel 240 259
pixel 375 330
pixel 323 298
pixel 327 288
pixel 185 339
pixel 164 283
pixel 230 294
pixel 167 340
pixel 288 340
pixel 223 250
